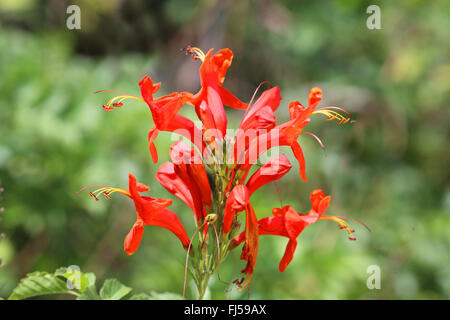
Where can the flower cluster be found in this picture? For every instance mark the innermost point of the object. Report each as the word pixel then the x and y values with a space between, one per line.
pixel 217 202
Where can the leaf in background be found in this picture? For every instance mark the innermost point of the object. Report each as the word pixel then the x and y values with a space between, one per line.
pixel 38 283
pixel 140 296
pixel 90 293
pixel 76 279
pixel 156 296
pixel 164 296
pixel 113 290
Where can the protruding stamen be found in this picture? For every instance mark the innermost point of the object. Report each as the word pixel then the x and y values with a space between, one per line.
pixel 107 108
pixel 93 196
pixel 106 191
pixel 317 139
pixel 195 52
pixel 116 102
pixel 332 114
pixel 342 225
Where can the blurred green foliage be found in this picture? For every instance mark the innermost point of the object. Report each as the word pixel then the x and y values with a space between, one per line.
pixel 389 169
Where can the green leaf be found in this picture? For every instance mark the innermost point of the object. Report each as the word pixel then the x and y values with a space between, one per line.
pixel 76 279
pixel 156 296
pixel 90 293
pixel 113 290
pixel 164 296
pixel 39 283
pixel 140 296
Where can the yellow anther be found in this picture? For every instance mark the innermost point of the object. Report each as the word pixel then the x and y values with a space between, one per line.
pixel 195 52
pixel 119 99
pixel 107 191
pixel 332 114
pixel 342 225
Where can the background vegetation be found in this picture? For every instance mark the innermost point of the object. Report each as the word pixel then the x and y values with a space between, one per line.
pixel 389 169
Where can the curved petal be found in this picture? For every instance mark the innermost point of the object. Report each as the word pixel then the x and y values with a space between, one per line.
pixel 272 226
pixel 315 96
pixel 147 89
pixel 250 249
pixel 237 201
pixel 167 177
pixel 298 153
pixel 168 220
pixel 229 100
pixel 294 223
pixel 316 196
pixel 288 254
pixel 271 171
pixel 133 238
pixel 214 67
pixel 269 98
pixel 152 134
pixel 218 112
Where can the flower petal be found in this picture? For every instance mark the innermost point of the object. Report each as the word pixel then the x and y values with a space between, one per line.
pixel 133 238
pixel 230 100
pixel 288 254
pixel 168 220
pixel 298 153
pixel 237 201
pixel 271 171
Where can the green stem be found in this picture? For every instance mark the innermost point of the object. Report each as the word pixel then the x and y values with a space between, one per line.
pixel 203 285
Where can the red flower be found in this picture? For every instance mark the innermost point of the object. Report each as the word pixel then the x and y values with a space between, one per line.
pixel 211 98
pixel 149 211
pixel 286 222
pixel 258 119
pixel 185 177
pixel 287 133
pixel 273 170
pixel 239 200
pixel 165 115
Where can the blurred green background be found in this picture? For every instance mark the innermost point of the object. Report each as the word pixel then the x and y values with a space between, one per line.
pixel 389 169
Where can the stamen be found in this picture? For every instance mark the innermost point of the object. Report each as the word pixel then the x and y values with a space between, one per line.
pixel 195 52
pixel 342 225
pixel 345 226
pixel 253 97
pixel 317 139
pixel 116 102
pixel 106 191
pixel 107 108
pixel 279 194
pixel 93 196
pixel 332 114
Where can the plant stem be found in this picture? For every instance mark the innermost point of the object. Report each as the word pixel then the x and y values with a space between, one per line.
pixel 201 287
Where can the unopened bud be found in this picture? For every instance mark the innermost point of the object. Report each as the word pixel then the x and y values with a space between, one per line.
pixel 211 218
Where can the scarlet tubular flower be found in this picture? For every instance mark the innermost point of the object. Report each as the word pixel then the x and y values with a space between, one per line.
pixel 185 177
pixel 211 98
pixel 149 211
pixel 165 115
pixel 287 133
pixel 239 197
pixel 239 200
pixel 286 222
pixel 258 118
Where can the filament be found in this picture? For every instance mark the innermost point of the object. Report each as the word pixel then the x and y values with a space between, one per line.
pixel 195 52
pixel 332 114
pixel 106 191
pixel 342 225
